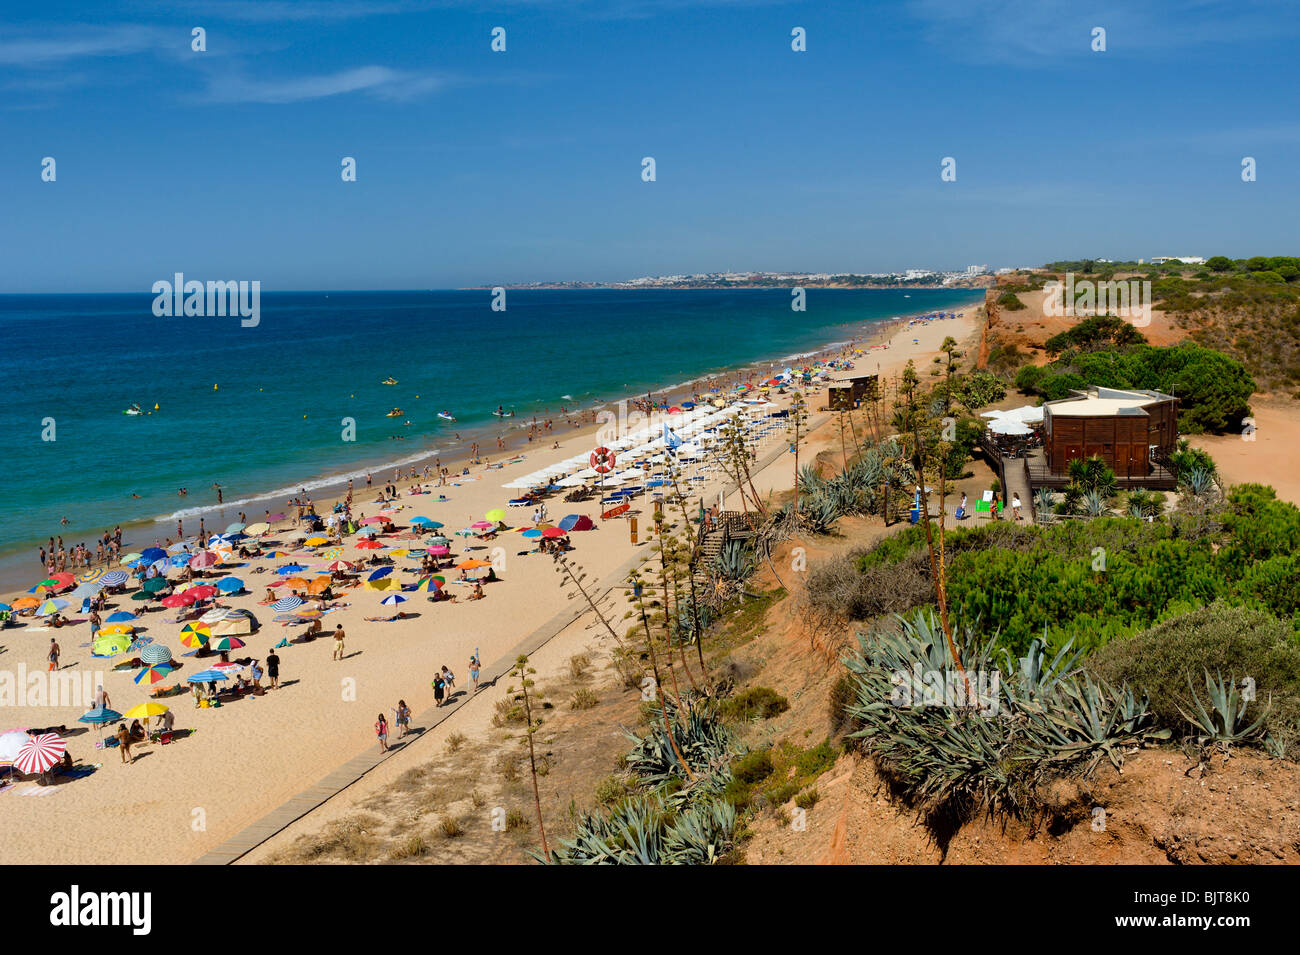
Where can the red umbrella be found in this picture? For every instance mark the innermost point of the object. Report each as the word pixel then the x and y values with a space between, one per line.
pixel 554 532
pixel 205 559
pixel 40 753
pixel 179 600
pixel 368 545
pixel 202 592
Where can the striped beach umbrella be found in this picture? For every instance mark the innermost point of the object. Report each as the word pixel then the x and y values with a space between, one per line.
pixel 49 607
pixel 428 584
pixel 287 603
pixel 223 643
pixel 156 653
pixel 114 578
pixel 90 576
pixel 195 635
pixel 153 674
pixel 207 676
pixel 392 600
pixel 40 753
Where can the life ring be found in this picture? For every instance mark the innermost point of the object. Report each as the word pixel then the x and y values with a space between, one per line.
pixel 602 460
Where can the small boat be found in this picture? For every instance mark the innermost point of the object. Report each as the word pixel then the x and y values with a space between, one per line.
pixel 446 416
pixel 395 413
pixel 389 381
pixel 503 414
pixel 133 410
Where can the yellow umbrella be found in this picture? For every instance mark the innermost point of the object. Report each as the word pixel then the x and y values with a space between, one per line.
pixel 400 552
pixel 125 629
pixel 252 530
pixel 316 541
pixel 145 710
pixel 496 514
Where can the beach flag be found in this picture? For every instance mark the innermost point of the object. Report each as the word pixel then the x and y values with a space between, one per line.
pixel 671 439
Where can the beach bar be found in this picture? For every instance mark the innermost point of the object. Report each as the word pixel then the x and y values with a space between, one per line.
pixel 1132 431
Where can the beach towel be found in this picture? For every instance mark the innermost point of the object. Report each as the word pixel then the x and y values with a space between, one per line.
pixel 38 791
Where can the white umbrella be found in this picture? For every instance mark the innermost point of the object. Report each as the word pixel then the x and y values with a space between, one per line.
pixel 1007 426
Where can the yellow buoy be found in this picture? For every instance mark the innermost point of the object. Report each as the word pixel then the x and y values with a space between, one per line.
pixel 214 387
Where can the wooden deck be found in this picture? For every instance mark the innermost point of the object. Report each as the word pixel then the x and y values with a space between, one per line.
pixel 1160 478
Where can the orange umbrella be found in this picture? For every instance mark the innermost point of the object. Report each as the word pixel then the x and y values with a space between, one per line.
pixel 22 603
pixel 319 585
pixel 296 583
pixel 473 564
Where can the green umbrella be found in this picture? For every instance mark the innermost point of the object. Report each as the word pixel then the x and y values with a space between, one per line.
pixel 155 584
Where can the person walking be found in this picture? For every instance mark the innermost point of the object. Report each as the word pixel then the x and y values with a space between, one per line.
pixel 54 654
pixel 1015 505
pixel 473 670
pixel 381 730
pixel 402 716
pixel 448 678
pixel 124 743
pixel 338 642
pixel 273 669
pixel 439 688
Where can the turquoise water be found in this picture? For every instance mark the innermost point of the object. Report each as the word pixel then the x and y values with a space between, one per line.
pixel 275 420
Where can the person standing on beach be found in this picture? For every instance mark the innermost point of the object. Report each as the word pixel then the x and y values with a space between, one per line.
pixel 94 624
pixel 54 654
pixel 338 642
pixel 124 743
pixel 381 730
pixel 473 670
pixel 273 669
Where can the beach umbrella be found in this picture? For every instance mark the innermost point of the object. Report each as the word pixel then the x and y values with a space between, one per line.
pixel 151 554
pixel 230 585
pixel 438 539
pixel 122 616
pixel 473 564
pixel 23 603
pixel 99 716
pixel 156 653
pixel 207 676
pixel 316 541
pixel 337 566
pixel 398 552
pixel 49 607
pixel 145 710
pixel 496 514
pixel 295 583
pixel 532 532
pixel 5 608
pixel 438 550
pixel 259 528
pixel 383 583
pixel 142 595
pixel 195 638
pixel 319 585
pixel 153 674
pixel 287 603
pixel 275 518
pixel 580 522
pixel 377 519
pixel 482 525
pixel 205 559
pixel 202 591
pixel 287 618
pixel 420 520
pixel 380 573
pixel 178 600
pixel 305 613
pixel 393 600
pixel 368 545
pixel 427 584
pixel 10 742
pixel 226 642
pixel 40 753
pixel 234 528
pixel 117 629
pixel 332 553
pixel 114 578
pixel 288 570
pixel 179 546
pixel 155 584
pixel 216 614
pixel 465 532
pixel 90 576
pixel 554 532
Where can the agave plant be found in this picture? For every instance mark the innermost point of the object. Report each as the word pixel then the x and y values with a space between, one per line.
pixel 1223 721
pixel 646 831
pixel 735 562
pixel 1094 503
pixel 1198 482
pixel 703 740
pixel 1043 501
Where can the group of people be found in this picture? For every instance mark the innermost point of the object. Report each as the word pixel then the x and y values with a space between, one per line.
pixel 995 507
pixel 443 684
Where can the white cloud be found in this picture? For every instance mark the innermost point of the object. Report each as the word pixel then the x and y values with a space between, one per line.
pixel 378 81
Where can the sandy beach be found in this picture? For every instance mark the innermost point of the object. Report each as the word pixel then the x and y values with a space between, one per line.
pixel 245 758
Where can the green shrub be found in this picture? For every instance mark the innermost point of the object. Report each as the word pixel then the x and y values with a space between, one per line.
pixel 755 703
pixel 753 767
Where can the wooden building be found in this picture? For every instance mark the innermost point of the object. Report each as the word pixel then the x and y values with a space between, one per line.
pixel 1123 428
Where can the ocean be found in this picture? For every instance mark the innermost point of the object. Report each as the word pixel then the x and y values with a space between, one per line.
pixel 261 410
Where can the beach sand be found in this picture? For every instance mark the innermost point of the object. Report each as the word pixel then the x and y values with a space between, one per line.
pixel 248 757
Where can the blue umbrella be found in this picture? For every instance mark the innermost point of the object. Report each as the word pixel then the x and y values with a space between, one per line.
pixel 392 599
pixel 180 560
pixel 99 715
pixel 5 608
pixel 288 570
pixel 287 603
pixel 230 585
pixel 531 532
pixel 151 554
pixel 380 573
pixel 114 578
pixel 421 520
pixel 122 616
pixel 207 676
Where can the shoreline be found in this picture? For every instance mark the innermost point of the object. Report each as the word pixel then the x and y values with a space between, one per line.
pixel 325 490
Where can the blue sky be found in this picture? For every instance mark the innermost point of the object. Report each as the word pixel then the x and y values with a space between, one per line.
pixel 477 167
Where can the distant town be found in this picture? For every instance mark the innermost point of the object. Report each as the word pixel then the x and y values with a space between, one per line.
pixel 972 276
